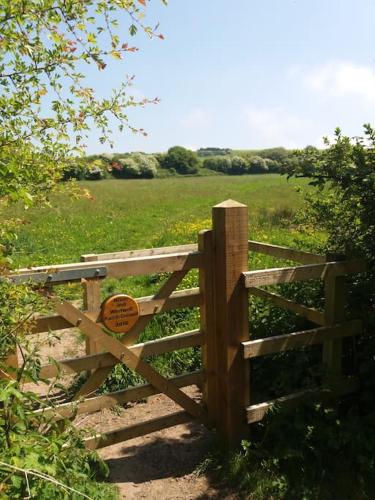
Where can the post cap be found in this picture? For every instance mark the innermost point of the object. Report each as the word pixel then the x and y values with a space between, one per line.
pixel 230 204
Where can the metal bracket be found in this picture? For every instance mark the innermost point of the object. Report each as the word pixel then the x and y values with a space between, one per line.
pixel 46 278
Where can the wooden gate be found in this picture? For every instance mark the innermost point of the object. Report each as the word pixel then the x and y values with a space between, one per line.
pixel 222 257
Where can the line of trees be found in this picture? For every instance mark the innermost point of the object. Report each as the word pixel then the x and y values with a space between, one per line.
pixel 180 161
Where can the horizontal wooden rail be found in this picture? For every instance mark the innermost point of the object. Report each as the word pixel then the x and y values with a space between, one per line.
pixel 295 340
pixel 137 430
pixel 256 413
pixel 69 410
pixel 176 342
pixel 302 273
pixel 147 305
pixel 119 268
pixel 281 252
pixel 147 252
pixel 43 278
pixel 311 314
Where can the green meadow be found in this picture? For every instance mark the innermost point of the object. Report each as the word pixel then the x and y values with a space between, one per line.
pixel 131 214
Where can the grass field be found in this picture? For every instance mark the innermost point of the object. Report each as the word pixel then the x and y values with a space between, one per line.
pixel 130 214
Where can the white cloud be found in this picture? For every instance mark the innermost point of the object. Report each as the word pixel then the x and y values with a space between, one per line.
pixel 269 127
pixel 341 79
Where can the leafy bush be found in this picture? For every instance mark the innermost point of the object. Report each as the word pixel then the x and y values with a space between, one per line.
pixel 182 160
pixel 39 458
pixel 125 168
pixel 238 166
pixel 223 165
pixel 315 453
pixel 135 166
pixel 274 166
pixel 96 170
pixel 257 165
pixel 276 154
pixel 74 170
pixel 148 165
pixel 87 168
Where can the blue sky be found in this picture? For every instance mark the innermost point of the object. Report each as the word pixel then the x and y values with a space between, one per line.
pixel 249 74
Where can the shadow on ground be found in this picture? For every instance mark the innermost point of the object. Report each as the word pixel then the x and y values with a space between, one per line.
pixel 176 459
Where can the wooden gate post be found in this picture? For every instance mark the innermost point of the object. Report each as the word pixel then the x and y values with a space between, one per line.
pixel 334 312
pixel 207 323
pixel 230 238
pixel 91 300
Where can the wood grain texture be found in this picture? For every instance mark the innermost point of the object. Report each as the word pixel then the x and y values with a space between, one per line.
pixel 134 266
pixel 230 235
pixel 335 293
pixel 137 430
pixel 171 343
pixel 146 252
pixel 91 301
pixel 302 273
pixel 295 340
pixel 148 305
pixel 207 324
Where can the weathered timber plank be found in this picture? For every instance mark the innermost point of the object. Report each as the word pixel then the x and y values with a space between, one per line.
pixel 68 410
pixel 55 277
pixel 295 340
pixel 281 252
pixel 207 323
pixel 118 268
pixel 302 273
pixel 335 293
pixel 91 301
pixel 311 314
pixel 137 430
pixel 147 252
pixel 147 305
pixel 256 413
pixel 105 359
pixel 131 360
pixel 230 238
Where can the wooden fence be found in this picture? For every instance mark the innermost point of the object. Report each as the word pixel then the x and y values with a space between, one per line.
pixel 222 256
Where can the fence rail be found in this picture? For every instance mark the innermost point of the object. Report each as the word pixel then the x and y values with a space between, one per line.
pixel 115 268
pixel 225 283
pixel 281 252
pixel 296 340
pixel 302 273
pixel 175 342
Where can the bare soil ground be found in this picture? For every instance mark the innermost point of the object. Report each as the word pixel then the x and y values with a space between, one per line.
pixel 161 465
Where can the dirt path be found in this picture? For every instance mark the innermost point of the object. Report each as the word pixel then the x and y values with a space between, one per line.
pixel 162 465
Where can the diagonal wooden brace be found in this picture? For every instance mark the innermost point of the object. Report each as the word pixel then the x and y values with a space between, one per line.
pixel 131 360
pixel 99 375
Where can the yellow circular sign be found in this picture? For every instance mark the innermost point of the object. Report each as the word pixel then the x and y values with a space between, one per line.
pixel 119 313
